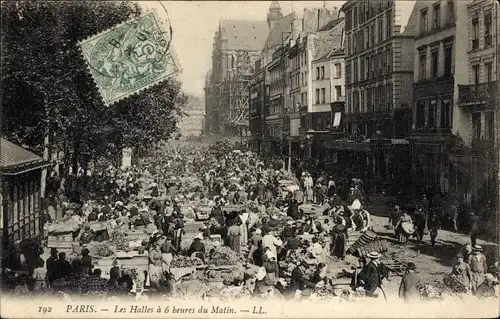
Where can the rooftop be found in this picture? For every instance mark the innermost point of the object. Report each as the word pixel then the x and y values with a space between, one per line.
pixel 281 31
pixel 13 156
pixel 244 35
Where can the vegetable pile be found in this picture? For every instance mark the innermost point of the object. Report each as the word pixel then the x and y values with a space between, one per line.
pixel 69 225
pixel 223 256
pixel 429 290
pixel 120 241
pixel 182 261
pixel 100 249
pixel 454 284
pixel 228 276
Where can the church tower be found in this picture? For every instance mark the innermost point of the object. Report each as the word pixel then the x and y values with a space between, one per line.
pixel 274 14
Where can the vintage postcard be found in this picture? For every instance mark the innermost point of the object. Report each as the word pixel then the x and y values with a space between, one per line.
pixel 311 159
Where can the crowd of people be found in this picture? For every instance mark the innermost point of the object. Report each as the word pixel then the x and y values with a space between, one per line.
pixel 288 227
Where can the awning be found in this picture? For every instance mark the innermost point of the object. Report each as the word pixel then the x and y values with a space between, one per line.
pixel 16 160
pixel 348 146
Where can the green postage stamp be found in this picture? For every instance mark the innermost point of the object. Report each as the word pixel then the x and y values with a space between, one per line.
pixel 130 57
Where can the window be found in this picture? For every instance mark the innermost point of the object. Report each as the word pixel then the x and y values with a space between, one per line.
pixel 366 70
pixel 348 20
pixel 475 74
pixel 423 21
pixel 338 70
pixel 383 64
pixel 362 100
pixel 372 40
pixel 355 71
pixel 367 37
pixel 380 30
pixel 362 68
pixel 487 29
pixel 436 18
pixel 448 58
pixel 451 12
pixel 369 102
pixel 389 59
pixel 475 33
pixel 488 67
pixel 348 72
pixel 434 63
pixel 388 92
pixel 432 113
pixel 489 126
pixel 322 72
pixel 317 73
pixel 422 66
pixel 420 116
pixel 388 28
pixel 476 126
pixel 445 113
pixel 323 95
pixel 349 45
pixel 355 17
pixel 338 91
pixel 317 96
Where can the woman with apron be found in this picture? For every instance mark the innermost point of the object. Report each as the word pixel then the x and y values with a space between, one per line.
pixel 155 271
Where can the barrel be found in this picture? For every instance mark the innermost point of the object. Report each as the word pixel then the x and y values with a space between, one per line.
pixel 366 238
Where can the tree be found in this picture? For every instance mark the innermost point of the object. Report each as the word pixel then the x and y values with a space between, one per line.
pixel 46 86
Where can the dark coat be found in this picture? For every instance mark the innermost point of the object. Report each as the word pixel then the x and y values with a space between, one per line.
pixel 371 278
pixel 408 288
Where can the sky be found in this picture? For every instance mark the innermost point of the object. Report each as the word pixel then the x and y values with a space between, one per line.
pixel 195 22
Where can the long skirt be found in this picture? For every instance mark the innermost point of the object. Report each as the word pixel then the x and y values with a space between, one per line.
pixel 155 275
pixel 338 245
pixel 243 234
pixel 166 259
pixel 234 243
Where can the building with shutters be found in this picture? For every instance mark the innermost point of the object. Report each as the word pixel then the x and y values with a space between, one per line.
pixel 20 177
pixel 379 75
pixel 473 163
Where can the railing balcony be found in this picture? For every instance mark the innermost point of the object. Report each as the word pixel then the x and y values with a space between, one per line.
pixel 476 92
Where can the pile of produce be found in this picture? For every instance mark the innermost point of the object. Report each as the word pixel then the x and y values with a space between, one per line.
pixel 454 284
pixel 223 256
pixel 100 249
pixel 151 228
pixel 430 290
pixel 182 261
pixel 63 226
pixel 228 276
pixel 120 241
pixel 191 288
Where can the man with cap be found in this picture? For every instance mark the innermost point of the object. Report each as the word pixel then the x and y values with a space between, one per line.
pixel 372 277
pixel 408 287
pixel 478 266
pixel 299 281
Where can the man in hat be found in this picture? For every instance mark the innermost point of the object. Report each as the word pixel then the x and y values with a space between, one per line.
pixel 372 278
pixel 433 223
pixel 269 240
pixel 408 287
pixel 478 266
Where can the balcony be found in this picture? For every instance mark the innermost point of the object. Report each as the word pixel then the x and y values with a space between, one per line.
pixel 476 92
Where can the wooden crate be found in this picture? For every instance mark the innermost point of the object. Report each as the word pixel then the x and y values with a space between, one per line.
pixel 105 264
pixel 60 237
pixel 61 246
pixel 192 228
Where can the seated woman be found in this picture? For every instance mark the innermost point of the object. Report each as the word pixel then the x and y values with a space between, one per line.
pixel 197 247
